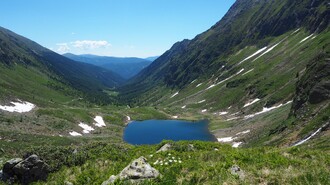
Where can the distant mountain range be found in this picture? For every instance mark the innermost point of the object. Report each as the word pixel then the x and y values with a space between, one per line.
pixel 152 58
pixel 50 71
pixel 125 67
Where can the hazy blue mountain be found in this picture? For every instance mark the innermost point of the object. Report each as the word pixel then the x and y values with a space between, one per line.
pixel 125 67
pixel 152 58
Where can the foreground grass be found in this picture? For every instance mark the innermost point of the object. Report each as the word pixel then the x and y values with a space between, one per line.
pixel 94 163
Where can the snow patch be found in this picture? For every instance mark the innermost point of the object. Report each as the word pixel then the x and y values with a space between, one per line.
pixel 223 113
pixel 247 72
pixel 174 94
pixel 199 84
pixel 175 117
pixel 128 118
pixel 193 81
pixel 254 54
pixel 226 139
pixel 74 133
pixel 309 137
pixel 268 50
pixel 211 86
pixel 230 139
pixel 230 77
pixel 252 102
pixel 20 107
pixel 240 71
pixel 266 109
pixel 183 107
pixel 204 110
pixel 306 38
pixel 295 31
pixel 87 128
pixel 202 101
pixel 236 144
pixel 99 121
pixel 243 132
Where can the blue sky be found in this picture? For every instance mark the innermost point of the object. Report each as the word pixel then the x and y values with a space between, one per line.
pixel 122 28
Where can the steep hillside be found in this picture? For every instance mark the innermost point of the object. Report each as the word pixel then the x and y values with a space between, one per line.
pixel 247 23
pixel 35 66
pixel 125 67
pixel 243 72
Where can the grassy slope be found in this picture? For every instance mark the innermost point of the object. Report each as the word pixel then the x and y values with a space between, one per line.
pixel 247 23
pixel 23 61
pixel 273 80
pixel 94 163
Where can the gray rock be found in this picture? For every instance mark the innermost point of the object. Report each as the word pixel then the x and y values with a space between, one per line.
pixel 165 148
pixel 236 170
pixel 138 170
pixel 191 147
pixel 8 167
pixel 27 170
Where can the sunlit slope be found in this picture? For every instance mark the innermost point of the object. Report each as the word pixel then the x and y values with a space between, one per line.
pixel 244 71
pixel 247 24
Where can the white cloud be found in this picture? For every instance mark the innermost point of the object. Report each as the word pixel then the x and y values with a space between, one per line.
pixel 81 46
pixel 63 47
pixel 90 44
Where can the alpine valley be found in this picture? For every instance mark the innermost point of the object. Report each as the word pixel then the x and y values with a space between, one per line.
pixel 260 76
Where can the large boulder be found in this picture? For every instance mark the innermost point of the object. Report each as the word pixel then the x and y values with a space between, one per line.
pixel 138 170
pixel 27 170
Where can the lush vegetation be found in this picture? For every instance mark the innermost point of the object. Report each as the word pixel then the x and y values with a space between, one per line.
pixel 213 76
pixel 205 163
pixel 247 23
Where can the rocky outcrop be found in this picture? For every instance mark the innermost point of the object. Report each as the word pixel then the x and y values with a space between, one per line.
pixel 314 85
pixel 8 167
pixel 25 171
pixel 138 170
pixel 165 148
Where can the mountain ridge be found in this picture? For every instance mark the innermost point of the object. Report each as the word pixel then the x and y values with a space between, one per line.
pixel 126 67
pixel 229 34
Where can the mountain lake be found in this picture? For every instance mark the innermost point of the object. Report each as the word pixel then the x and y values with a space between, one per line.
pixel 154 131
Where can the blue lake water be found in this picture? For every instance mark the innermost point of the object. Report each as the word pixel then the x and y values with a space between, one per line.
pixel 154 131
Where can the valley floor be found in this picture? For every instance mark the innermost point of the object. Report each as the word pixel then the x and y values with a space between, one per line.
pixel 92 158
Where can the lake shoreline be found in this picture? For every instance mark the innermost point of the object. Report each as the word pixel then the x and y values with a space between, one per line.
pixel 155 131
